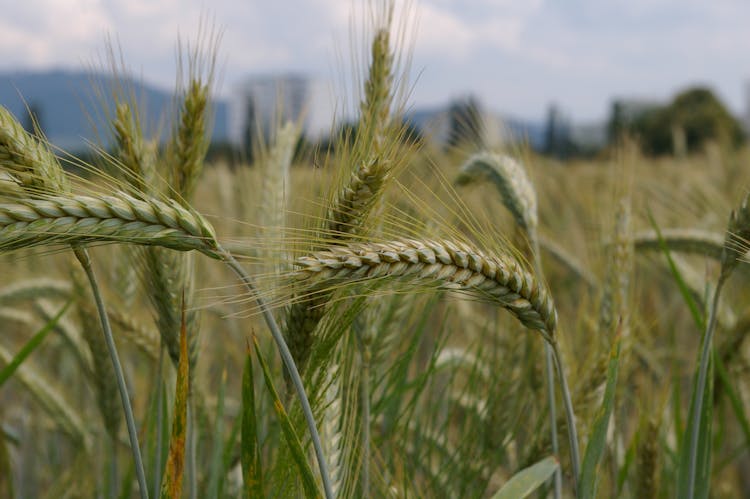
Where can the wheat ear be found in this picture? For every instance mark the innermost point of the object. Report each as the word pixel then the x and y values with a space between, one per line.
pixel 131 330
pixel 33 165
pixel 737 238
pixel 696 241
pixel 190 142
pixel 74 219
pixel 41 287
pixel 355 199
pixel 137 157
pixel 614 304
pixel 510 179
pixel 454 264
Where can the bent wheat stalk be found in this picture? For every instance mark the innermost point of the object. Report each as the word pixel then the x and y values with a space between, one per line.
pixel 455 264
pixel 519 197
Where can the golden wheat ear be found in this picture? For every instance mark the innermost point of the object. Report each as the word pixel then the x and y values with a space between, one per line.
pixel 454 264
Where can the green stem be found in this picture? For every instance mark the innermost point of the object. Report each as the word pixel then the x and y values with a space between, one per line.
pixel 700 387
pixel 83 257
pixel 552 414
pixel 569 416
pixel 549 371
pixel 291 367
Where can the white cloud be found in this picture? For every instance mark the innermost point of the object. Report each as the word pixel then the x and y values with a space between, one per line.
pixel 38 33
pixel 442 32
pixel 547 48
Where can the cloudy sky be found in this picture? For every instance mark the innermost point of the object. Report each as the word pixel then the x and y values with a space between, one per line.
pixel 516 56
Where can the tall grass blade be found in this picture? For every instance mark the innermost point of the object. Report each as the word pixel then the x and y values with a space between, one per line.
pixel 290 434
pixel 32 345
pixel 598 440
pixel 694 473
pixel 694 469
pixel 171 486
pixel 252 472
pixel 687 295
pixel 528 480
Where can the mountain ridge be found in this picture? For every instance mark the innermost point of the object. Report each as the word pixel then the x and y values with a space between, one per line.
pixel 72 106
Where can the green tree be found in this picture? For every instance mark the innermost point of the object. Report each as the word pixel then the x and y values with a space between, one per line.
pixel 698 113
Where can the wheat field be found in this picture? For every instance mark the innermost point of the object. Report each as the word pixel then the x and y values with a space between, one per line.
pixel 383 318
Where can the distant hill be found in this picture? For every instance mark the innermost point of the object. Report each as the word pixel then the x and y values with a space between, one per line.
pixel 71 114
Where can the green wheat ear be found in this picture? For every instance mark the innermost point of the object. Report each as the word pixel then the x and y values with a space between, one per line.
pixel 28 160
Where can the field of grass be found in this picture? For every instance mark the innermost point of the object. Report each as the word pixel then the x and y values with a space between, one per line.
pixel 470 322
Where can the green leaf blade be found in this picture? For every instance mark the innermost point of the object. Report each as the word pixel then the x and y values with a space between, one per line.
pixel 598 439
pixel 31 345
pixel 528 480
pixel 287 427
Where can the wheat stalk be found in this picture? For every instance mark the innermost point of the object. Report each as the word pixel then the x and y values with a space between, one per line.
pixel 103 374
pixel 738 231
